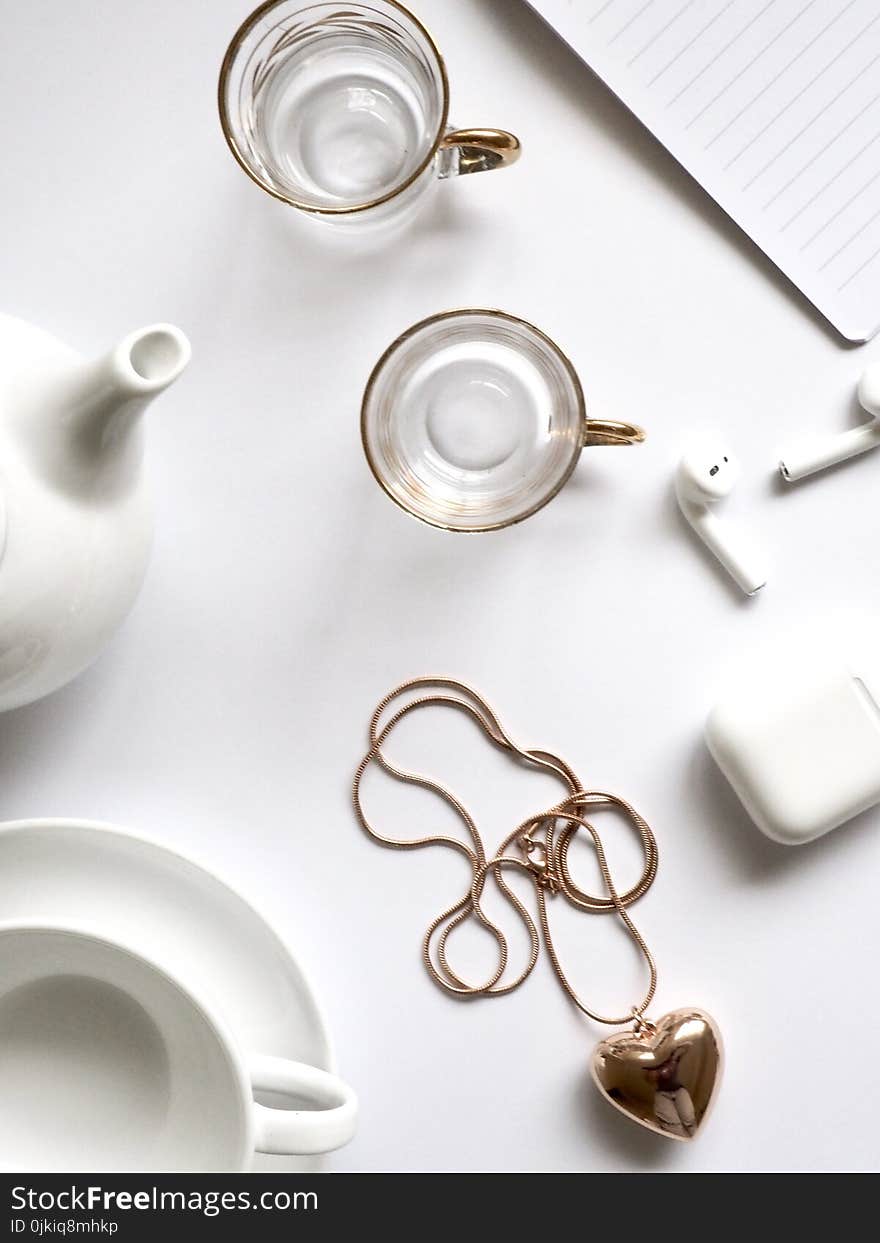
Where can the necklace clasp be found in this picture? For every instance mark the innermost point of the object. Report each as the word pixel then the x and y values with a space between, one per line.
pixel 537 860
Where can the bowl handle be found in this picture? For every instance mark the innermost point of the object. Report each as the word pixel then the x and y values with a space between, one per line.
pixel 301 1132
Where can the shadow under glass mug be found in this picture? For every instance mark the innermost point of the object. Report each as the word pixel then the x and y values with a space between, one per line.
pixel 341 110
pixel 475 419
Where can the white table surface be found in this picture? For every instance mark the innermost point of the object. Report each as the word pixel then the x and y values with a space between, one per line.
pixel 287 594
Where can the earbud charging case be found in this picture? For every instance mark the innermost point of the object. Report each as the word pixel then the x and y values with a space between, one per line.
pixel 800 746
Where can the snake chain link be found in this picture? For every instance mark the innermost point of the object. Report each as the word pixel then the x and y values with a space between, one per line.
pixel 542 844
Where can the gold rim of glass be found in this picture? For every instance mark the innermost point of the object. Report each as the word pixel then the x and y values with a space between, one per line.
pixel 492 313
pixel 226 69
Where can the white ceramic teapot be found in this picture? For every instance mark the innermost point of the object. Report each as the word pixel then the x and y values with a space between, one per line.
pixel 75 517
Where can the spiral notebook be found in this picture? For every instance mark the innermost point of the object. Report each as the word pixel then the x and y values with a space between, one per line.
pixel 774 107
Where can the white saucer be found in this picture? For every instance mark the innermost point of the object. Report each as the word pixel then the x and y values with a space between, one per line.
pixel 127 886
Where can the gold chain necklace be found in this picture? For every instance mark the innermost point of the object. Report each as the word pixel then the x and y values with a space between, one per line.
pixel 660 1074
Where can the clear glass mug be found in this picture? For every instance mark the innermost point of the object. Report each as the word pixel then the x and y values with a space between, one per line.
pixel 473 420
pixel 341 110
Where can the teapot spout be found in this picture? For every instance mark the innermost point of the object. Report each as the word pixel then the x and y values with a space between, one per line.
pixel 110 393
pixel 152 358
pixel 82 423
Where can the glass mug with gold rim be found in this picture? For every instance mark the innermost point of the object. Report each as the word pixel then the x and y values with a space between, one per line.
pixel 474 419
pixel 341 110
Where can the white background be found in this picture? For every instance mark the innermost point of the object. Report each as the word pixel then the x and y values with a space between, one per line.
pixel 287 594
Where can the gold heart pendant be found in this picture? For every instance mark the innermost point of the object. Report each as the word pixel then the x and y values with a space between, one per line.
pixel 663 1075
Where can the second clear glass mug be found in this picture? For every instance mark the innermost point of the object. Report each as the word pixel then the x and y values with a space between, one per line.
pixel 473 420
pixel 342 109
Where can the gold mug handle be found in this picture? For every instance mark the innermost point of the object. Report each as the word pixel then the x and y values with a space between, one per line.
pixel 478 151
pixel 607 432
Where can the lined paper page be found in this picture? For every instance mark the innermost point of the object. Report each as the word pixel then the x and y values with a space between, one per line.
pixel 774 107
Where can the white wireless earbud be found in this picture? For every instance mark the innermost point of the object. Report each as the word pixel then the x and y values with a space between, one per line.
pixel 829 450
pixel 704 476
